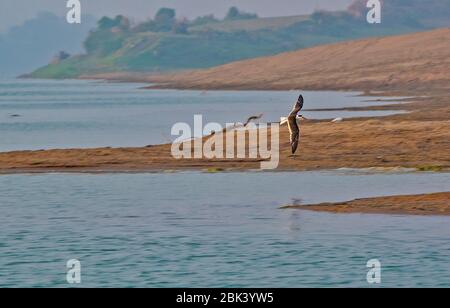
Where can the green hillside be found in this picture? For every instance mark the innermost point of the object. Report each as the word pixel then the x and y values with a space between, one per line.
pixel 166 43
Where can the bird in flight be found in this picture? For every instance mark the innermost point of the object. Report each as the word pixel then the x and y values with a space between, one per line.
pixel 240 125
pixel 294 130
pixel 253 118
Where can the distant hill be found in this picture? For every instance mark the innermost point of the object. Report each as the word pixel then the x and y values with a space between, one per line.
pixel 418 61
pixel 27 46
pixel 269 23
pixel 166 43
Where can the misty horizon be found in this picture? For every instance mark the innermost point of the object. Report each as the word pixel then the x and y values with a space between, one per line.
pixel 16 12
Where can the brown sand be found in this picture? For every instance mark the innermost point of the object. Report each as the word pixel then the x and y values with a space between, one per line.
pixel 430 204
pixel 402 141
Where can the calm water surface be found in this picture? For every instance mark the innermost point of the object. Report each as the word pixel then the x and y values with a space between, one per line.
pixel 215 230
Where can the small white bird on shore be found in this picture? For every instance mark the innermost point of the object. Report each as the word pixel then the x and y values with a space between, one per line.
pixel 337 120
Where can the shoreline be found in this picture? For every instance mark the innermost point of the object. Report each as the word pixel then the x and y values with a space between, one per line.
pixel 418 139
pixel 212 170
pixel 402 140
pixel 435 204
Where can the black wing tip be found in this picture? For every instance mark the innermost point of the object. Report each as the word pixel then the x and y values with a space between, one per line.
pixel 294 147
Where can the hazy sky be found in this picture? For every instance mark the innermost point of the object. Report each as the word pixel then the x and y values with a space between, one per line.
pixel 15 12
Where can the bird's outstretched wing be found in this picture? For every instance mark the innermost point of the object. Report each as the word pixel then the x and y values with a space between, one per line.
pixel 294 132
pixel 298 106
pixel 253 118
pixel 239 125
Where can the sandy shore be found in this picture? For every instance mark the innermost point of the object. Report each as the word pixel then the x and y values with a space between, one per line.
pixel 420 139
pixel 429 204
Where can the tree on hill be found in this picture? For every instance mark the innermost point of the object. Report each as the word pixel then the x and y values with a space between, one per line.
pixel 203 20
pixel 120 21
pixel 105 23
pixel 60 56
pixel 234 14
pixel 165 14
pixel 163 21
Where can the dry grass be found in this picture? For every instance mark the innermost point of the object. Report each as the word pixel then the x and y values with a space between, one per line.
pixel 409 62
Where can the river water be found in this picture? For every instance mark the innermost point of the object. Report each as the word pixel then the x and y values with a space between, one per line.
pixel 216 230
